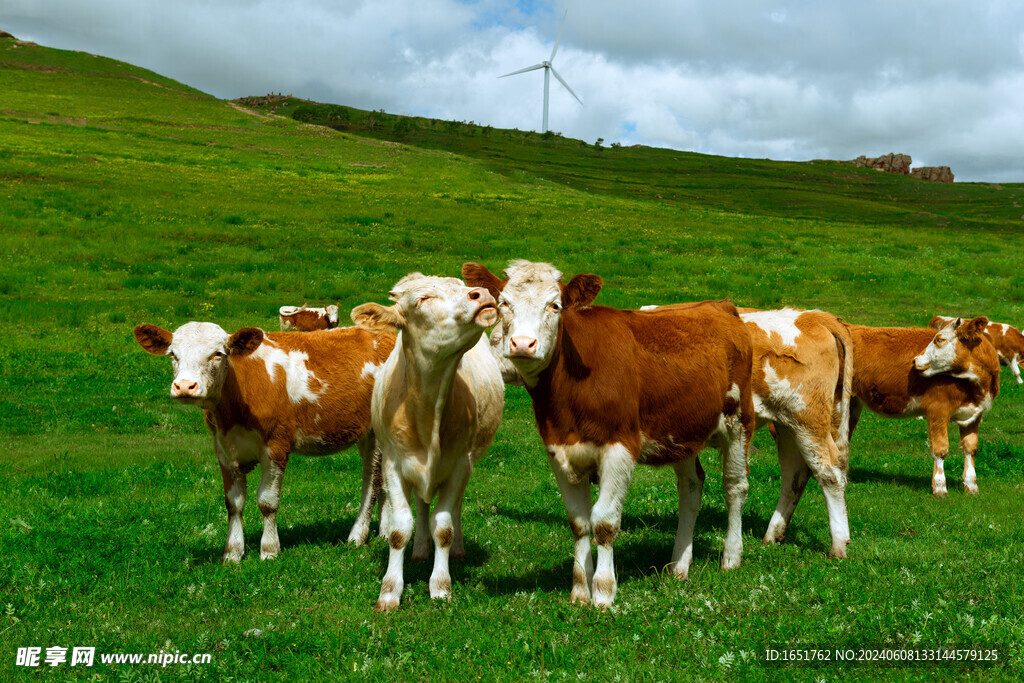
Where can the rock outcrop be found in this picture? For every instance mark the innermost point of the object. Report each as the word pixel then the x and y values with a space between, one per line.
pixel 936 174
pixel 890 163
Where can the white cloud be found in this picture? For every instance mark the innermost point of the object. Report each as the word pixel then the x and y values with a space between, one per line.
pixel 939 80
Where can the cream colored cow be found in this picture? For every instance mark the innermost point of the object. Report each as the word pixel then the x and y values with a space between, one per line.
pixel 436 406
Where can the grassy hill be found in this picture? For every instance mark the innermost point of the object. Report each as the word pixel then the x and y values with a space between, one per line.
pixel 126 197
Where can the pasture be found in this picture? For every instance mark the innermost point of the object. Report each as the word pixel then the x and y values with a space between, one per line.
pixel 126 198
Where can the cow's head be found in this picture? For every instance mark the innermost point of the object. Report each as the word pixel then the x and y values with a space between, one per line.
pixel 950 351
pixel 530 301
pixel 199 356
pixel 441 315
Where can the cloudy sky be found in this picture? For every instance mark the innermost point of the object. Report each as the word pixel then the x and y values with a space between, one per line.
pixel 940 80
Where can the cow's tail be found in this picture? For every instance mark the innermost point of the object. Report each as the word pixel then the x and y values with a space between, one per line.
pixel 844 390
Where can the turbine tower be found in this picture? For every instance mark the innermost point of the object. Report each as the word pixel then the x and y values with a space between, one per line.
pixel 549 69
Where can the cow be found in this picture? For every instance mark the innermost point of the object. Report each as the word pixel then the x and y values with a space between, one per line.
pixel 436 406
pixel 801 382
pixel 614 388
pixel 303 319
pixel 267 395
pixel 948 375
pixel 1007 340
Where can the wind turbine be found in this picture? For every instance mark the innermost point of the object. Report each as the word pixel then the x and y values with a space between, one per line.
pixel 548 70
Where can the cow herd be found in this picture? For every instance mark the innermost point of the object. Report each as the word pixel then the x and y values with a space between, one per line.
pixel 419 387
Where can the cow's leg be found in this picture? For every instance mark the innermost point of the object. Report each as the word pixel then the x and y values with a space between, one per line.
pixel 855 409
pixel 615 468
pixel 458 551
pixel 795 473
pixel 690 482
pixel 1015 369
pixel 400 528
pixel 442 527
pixel 384 510
pixel 234 501
pixel 733 442
pixel 825 459
pixel 938 441
pixel 421 539
pixel 369 455
pixel 969 446
pixel 268 496
pixel 576 497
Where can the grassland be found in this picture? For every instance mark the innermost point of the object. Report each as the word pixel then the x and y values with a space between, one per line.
pixel 126 197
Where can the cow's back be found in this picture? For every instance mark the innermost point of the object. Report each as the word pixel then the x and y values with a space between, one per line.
pixel 313 389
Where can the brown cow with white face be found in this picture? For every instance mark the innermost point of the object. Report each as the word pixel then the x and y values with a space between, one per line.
pixel 947 376
pixel 268 395
pixel 613 388
pixel 1007 340
pixel 304 319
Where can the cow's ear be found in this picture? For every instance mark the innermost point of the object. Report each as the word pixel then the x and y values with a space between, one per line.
pixel 937 323
pixel 581 290
pixel 477 275
pixel 377 318
pixel 971 331
pixel 245 341
pixel 154 339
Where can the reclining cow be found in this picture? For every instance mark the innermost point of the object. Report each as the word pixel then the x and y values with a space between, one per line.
pixel 947 376
pixel 304 319
pixel 437 404
pixel 266 396
pixel 613 388
pixel 1007 340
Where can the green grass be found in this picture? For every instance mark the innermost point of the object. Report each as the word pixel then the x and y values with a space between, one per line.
pixel 124 202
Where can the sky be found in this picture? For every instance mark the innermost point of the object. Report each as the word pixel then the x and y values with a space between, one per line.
pixel 942 81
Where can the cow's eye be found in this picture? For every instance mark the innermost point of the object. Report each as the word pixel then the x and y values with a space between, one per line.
pixel 217 354
pixel 554 307
pixel 419 302
pixel 504 304
pixel 940 342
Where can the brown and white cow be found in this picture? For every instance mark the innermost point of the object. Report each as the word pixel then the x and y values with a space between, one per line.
pixel 436 407
pixel 303 319
pixel 801 382
pixel 268 395
pixel 613 388
pixel 949 375
pixel 1007 340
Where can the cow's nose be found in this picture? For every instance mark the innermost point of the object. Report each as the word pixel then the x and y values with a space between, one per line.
pixel 525 347
pixel 184 387
pixel 480 296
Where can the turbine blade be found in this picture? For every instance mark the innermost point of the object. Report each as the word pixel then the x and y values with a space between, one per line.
pixel 562 81
pixel 522 71
pixel 559 38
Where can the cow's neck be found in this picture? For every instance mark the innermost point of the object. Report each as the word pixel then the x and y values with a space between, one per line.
pixel 428 381
pixel 232 408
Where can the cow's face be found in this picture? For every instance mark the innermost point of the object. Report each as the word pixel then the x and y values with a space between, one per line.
pixel 199 356
pixel 950 351
pixel 530 303
pixel 440 315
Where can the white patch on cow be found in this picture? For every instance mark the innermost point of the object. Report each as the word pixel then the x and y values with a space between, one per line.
pixel 369 369
pixel 309 443
pixel 734 392
pixel 782 323
pixel 1015 369
pixel 781 393
pixel 297 374
pixel 649 307
pixel 238 446
pixel 966 415
pixel 1005 327
pixel 576 460
pixel 288 310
